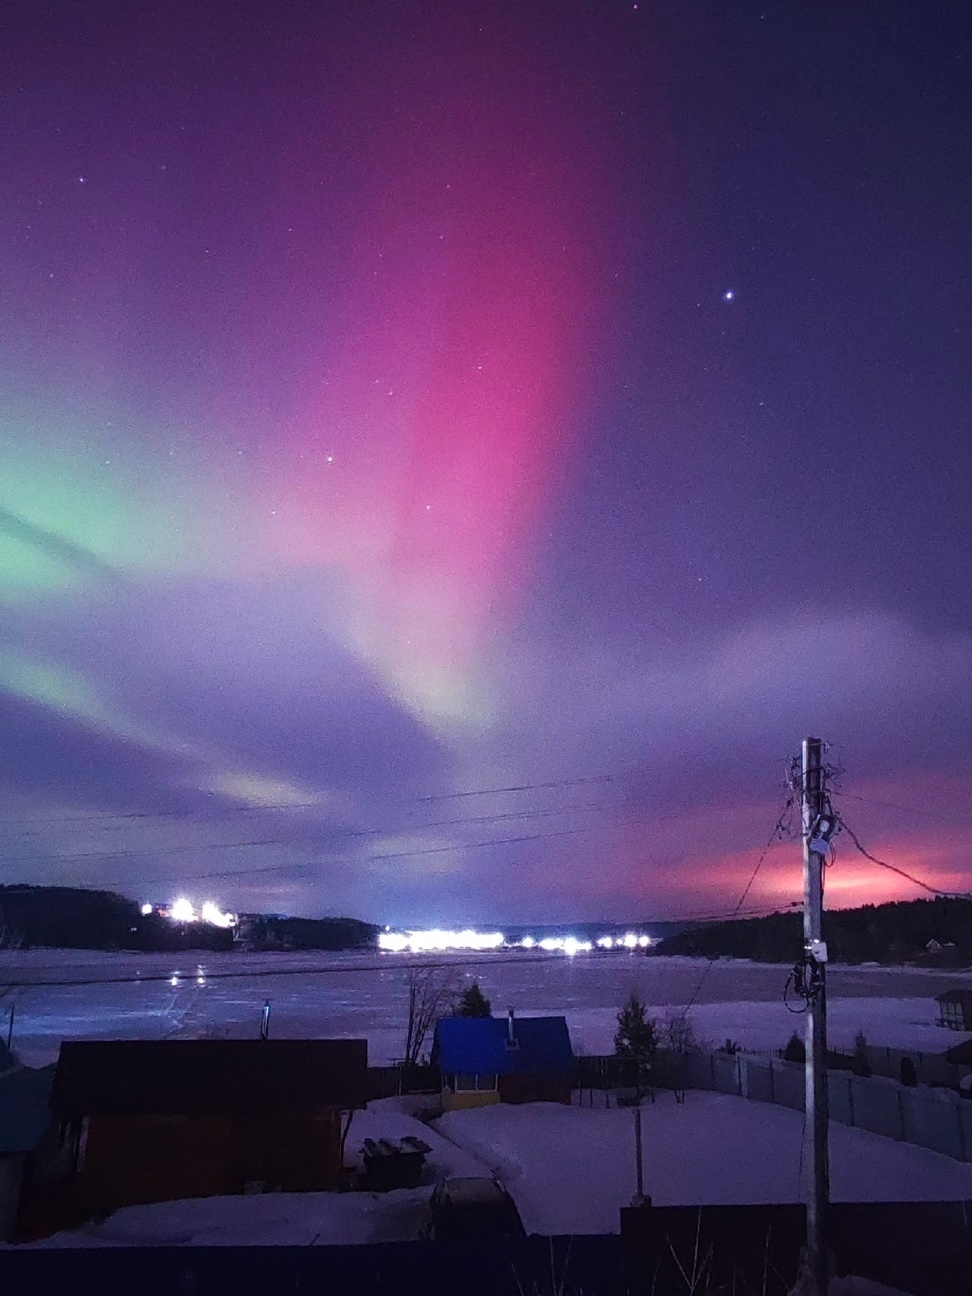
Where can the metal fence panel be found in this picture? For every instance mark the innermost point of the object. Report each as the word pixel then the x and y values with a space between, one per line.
pixel 790 1085
pixel 877 1106
pixel 932 1120
pixel 840 1096
pixel 725 1075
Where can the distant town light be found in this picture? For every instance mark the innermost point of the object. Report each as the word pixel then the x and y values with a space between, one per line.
pixel 528 942
pixel 182 911
pixel 644 941
pixel 574 946
pixel 437 939
pixel 629 940
pixel 605 942
pixel 147 909
pixel 392 941
pixel 211 913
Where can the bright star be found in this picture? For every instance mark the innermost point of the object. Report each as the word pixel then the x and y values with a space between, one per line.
pixel 729 295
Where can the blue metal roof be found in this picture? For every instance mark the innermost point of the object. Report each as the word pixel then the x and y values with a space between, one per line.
pixel 24 1111
pixel 479 1046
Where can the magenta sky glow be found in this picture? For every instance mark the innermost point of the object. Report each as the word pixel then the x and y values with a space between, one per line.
pixel 404 402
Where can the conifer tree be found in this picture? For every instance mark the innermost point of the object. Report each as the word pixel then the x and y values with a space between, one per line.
pixel 635 1037
pixel 473 1003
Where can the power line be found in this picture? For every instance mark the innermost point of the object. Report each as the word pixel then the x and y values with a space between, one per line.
pixel 392 855
pixel 893 868
pixel 344 834
pixel 779 828
pixel 891 805
pixel 101 818
pixel 515 960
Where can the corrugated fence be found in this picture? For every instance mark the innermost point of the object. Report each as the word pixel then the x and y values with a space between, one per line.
pixel 938 1119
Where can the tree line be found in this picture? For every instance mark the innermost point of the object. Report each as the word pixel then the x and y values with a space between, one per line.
pixel 74 918
pixel 897 932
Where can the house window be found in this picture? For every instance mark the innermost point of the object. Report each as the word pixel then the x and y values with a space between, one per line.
pixel 473 1083
pixel 952 1014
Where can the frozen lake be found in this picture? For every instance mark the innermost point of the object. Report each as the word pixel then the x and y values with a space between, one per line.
pixel 70 994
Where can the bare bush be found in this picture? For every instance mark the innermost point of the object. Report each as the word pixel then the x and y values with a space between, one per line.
pixel 432 993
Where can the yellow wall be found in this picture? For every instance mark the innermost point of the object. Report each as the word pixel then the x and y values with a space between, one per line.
pixel 467 1098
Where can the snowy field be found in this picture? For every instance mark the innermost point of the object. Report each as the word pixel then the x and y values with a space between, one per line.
pixel 569 1169
pixel 56 995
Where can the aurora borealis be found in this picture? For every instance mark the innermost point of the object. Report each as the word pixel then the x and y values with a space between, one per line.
pixel 402 401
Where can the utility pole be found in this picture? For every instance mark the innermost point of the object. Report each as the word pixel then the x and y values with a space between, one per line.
pixel 638 1156
pixel 818 825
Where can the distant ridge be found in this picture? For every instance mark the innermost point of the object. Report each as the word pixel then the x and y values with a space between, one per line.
pixel 60 917
pixel 933 933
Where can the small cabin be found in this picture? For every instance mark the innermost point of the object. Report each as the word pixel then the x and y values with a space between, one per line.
pixel 487 1060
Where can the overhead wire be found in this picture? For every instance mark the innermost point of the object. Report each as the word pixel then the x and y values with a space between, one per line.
pixel 328 836
pixel 101 818
pixel 779 828
pixel 893 868
pixel 904 809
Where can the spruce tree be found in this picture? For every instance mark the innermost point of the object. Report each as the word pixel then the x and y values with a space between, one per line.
pixel 635 1037
pixel 473 1003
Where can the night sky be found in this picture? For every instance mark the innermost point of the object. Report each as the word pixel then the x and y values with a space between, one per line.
pixel 401 400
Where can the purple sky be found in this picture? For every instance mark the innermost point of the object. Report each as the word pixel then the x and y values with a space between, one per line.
pixel 402 401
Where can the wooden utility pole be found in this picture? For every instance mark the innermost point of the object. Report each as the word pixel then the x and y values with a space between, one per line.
pixel 816 833
pixel 638 1155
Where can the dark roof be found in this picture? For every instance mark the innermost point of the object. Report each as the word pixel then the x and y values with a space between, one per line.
pixel 478 1046
pixel 24 1111
pixel 959 995
pixel 960 1054
pixel 197 1077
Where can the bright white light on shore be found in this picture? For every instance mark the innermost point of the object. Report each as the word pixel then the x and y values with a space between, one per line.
pixel 182 911
pixel 605 942
pixel 211 913
pixel 437 939
pixel 528 942
pixel 644 941
pixel 574 946
pixel 392 941
pixel 629 940
pixel 146 910
pixel 550 943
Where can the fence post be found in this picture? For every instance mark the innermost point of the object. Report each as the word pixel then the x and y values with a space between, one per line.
pixel 963 1151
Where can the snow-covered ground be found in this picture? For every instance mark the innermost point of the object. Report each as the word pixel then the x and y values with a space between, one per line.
pixel 569 1169
pixel 348 995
